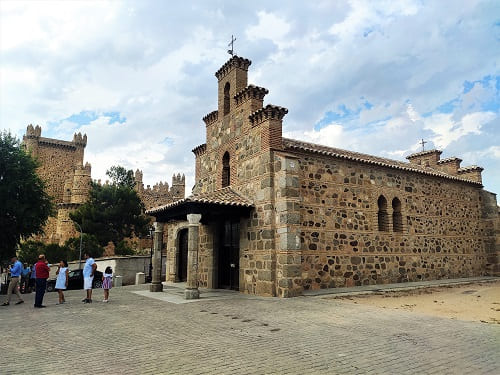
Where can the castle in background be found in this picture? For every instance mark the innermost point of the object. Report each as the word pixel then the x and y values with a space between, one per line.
pixel 68 181
pixel 160 193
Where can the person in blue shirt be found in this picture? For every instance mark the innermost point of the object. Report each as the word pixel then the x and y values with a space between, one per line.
pixel 32 279
pixel 88 276
pixel 15 274
pixel 25 276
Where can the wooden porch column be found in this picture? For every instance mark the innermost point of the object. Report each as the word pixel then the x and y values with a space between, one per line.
pixel 156 285
pixel 192 291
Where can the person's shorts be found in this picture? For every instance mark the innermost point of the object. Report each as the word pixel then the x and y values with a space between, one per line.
pixel 87 282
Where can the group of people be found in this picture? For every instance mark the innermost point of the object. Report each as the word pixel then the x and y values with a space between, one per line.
pixel 40 273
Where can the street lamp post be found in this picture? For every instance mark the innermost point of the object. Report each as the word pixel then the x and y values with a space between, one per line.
pixel 80 257
pixel 81 234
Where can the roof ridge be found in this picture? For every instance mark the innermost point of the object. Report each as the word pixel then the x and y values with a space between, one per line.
pixel 371 159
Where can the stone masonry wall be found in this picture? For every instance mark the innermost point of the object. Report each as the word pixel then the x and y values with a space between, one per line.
pixel 442 234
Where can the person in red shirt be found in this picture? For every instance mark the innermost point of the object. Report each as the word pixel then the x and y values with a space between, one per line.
pixel 42 274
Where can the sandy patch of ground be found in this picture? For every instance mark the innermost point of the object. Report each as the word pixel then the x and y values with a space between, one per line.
pixel 474 302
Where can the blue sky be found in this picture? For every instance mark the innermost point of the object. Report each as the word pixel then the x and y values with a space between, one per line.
pixel 370 76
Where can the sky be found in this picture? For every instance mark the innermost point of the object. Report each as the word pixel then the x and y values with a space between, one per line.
pixel 369 76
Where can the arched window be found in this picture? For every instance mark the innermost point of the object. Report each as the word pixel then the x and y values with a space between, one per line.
pixel 383 218
pixel 227 100
pixel 397 219
pixel 226 170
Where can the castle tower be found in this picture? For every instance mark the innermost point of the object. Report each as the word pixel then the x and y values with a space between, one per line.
pixel 80 143
pixel 66 179
pixel 31 139
pixel 178 189
pixel 81 184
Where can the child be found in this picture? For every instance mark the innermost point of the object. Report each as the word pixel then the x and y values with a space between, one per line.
pixel 62 280
pixel 106 282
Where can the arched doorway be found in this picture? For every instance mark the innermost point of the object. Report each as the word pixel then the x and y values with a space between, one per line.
pixel 182 259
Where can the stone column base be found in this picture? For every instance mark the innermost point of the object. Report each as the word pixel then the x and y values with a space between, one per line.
pixel 192 294
pixel 156 287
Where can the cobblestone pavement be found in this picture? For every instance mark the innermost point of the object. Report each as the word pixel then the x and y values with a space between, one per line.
pixel 135 334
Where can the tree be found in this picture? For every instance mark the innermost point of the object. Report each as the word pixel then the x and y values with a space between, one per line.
pixel 30 250
pixel 123 248
pixel 120 176
pixel 113 212
pixel 25 204
pixel 90 245
pixel 55 253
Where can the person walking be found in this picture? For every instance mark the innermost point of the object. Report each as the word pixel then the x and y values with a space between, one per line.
pixel 42 274
pixel 106 282
pixel 15 274
pixel 32 279
pixel 62 280
pixel 88 276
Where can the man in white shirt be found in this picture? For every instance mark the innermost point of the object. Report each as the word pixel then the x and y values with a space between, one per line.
pixel 88 276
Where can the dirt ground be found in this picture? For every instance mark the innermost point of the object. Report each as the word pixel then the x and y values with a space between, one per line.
pixel 474 302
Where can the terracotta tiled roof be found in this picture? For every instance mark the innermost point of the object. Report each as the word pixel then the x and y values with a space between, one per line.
pixel 448 160
pixel 294 145
pixel 423 153
pixel 225 197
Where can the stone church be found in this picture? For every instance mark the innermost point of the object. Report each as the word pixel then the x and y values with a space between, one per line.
pixel 273 216
pixel 68 180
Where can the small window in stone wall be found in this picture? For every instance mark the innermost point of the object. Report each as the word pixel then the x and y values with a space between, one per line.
pixel 383 217
pixel 227 99
pixel 226 171
pixel 397 218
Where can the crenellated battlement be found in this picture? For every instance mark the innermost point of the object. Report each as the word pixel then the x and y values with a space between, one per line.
pixel 33 132
pixel 178 180
pixel 33 140
pixel 160 193
pixel 80 140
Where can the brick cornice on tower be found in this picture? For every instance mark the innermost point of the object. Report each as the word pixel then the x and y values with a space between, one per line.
pixel 199 150
pixel 211 117
pixel 269 112
pixel 250 92
pixel 233 62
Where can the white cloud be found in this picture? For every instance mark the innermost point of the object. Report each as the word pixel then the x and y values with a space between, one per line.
pixel 329 135
pixel 446 130
pixel 270 26
pixel 392 64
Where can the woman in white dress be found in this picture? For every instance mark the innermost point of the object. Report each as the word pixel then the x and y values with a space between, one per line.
pixel 62 280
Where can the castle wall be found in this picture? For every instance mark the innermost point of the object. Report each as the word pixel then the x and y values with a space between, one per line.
pixel 443 234
pixel 161 193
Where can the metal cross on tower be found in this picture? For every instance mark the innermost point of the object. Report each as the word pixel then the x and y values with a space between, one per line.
pixel 422 142
pixel 231 44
